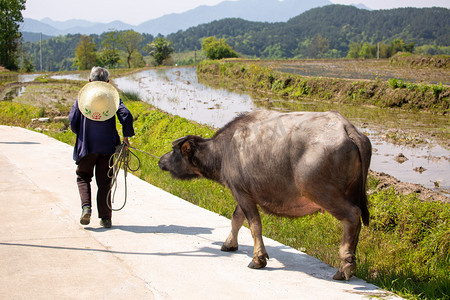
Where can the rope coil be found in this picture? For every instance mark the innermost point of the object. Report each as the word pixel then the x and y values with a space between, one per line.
pixel 120 160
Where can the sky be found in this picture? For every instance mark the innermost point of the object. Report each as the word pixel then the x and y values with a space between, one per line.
pixel 135 12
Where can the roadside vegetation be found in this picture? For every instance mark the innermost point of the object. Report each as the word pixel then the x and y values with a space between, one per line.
pixel 406 248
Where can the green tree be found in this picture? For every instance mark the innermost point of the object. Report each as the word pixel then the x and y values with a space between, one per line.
pixel 353 51
pixel 10 36
pixel 130 41
pixel 160 49
pixel 367 51
pixel 274 51
pixel 217 48
pixel 85 56
pixel 109 55
pixel 109 58
pixel 317 47
pixel 137 60
pixel 26 62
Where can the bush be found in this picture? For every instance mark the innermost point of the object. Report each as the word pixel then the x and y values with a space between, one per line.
pixel 217 49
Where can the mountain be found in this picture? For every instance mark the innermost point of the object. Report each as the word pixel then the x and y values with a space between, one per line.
pixel 251 10
pixel 64 25
pixel 34 37
pixel 49 27
pixel 361 6
pixel 31 25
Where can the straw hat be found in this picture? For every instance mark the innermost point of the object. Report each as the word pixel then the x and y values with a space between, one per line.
pixel 98 101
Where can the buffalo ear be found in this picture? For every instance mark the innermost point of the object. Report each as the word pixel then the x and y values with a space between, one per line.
pixel 179 141
pixel 186 148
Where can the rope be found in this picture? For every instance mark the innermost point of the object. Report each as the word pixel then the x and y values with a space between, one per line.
pixel 121 160
pixel 145 152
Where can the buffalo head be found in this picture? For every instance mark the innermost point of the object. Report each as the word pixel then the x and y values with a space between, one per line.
pixel 183 162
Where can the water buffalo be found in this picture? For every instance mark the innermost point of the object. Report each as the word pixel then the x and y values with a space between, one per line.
pixel 290 164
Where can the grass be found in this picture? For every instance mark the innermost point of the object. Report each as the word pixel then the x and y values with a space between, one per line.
pixel 405 249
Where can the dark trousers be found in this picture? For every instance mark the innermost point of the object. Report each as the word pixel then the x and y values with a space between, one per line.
pixel 85 172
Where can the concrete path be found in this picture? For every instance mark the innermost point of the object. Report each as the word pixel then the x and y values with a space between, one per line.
pixel 160 246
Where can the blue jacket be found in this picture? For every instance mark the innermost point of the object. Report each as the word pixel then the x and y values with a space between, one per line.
pixel 98 136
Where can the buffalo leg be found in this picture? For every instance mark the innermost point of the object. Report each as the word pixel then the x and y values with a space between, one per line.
pixel 260 255
pixel 347 249
pixel 231 243
pixel 251 212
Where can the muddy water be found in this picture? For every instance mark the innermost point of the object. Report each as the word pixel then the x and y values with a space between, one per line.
pixel 178 92
pixel 72 77
pixel 425 161
pixel 16 91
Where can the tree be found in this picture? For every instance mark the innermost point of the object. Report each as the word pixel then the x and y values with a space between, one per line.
pixel 217 48
pixel 10 36
pixel 109 56
pixel 137 60
pixel 317 47
pixel 274 51
pixel 130 41
pixel 85 56
pixel 160 49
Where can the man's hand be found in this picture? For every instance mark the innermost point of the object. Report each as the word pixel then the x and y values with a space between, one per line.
pixel 126 142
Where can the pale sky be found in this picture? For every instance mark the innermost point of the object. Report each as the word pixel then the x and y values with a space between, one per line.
pixel 135 12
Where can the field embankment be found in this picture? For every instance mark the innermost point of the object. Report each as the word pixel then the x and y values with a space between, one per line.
pixel 411 60
pixel 392 93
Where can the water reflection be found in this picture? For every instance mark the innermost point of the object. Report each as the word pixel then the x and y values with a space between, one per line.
pixel 27 77
pixel 13 93
pixel 16 91
pixel 178 91
pixel 81 77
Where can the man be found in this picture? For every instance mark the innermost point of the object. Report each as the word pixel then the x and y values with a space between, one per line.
pixel 92 118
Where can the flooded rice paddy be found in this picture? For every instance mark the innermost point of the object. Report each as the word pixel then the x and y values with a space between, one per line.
pixel 18 90
pixel 409 146
pixel 354 69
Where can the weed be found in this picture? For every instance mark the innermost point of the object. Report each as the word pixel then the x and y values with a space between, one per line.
pixel 129 95
pixel 437 90
pixel 396 83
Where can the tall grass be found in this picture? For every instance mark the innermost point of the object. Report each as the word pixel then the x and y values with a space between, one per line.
pixel 405 249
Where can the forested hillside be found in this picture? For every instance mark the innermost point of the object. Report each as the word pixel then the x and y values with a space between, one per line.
pixel 332 31
pixel 333 28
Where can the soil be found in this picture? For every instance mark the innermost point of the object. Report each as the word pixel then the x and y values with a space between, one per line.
pixel 386 182
pixel 363 69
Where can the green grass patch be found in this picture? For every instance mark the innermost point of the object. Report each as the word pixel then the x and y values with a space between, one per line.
pixel 17 114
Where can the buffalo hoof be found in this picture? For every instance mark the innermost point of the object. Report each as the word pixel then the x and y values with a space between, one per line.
pixel 258 263
pixel 346 271
pixel 339 275
pixel 226 248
